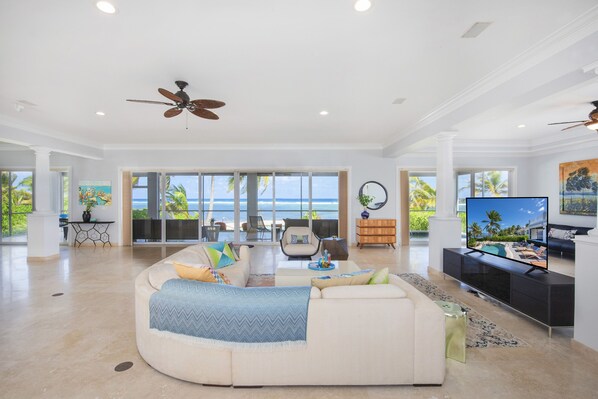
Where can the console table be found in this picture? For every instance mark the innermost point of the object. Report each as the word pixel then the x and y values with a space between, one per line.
pixel 92 231
pixel 376 231
pixel 545 297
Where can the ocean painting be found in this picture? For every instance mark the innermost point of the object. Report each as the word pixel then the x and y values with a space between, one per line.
pixel 579 187
pixel 101 190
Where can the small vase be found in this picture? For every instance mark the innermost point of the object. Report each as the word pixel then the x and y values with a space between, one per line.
pixel 86 216
pixel 365 214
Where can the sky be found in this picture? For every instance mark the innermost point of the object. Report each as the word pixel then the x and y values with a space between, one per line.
pixel 514 211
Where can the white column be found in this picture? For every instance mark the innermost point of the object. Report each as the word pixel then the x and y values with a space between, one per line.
pixel 585 329
pixel 42 180
pixel 42 225
pixel 445 227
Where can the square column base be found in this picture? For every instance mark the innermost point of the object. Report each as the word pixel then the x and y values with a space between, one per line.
pixel 43 240
pixel 444 233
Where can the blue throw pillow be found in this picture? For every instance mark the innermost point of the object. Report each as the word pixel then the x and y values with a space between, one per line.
pixel 220 255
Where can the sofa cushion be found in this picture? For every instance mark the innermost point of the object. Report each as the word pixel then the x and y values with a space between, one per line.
pixel 220 255
pixel 161 273
pixel 237 274
pixel 203 273
pixel 300 249
pixel 377 291
pixel 356 278
pixel 315 293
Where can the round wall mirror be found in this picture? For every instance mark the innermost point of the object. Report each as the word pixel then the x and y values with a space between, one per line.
pixel 377 191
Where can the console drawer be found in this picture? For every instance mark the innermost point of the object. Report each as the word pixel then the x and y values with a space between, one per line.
pixel 529 288
pixel 530 306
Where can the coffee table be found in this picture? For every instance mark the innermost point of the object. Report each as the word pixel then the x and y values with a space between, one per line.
pixel 296 272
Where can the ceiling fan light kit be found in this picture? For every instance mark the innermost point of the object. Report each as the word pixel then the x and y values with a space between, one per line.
pixel 181 101
pixel 591 124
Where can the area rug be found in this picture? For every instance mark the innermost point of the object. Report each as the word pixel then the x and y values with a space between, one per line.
pixel 481 332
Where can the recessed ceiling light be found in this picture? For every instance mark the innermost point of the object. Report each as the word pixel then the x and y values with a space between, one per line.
pixel 324 112
pixel 399 100
pixel 362 5
pixel 106 6
pixel 100 113
pixel 476 29
pixel 520 126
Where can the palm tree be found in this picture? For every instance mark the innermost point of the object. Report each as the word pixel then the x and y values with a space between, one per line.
pixel 492 183
pixel 492 225
pixel 176 201
pixel 421 195
pixel 475 230
pixel 263 181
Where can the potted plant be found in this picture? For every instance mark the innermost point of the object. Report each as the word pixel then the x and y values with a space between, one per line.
pixel 365 200
pixel 89 204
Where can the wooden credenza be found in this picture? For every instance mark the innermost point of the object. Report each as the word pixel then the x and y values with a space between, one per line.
pixel 376 231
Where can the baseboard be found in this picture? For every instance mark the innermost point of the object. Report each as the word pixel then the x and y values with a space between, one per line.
pixel 42 258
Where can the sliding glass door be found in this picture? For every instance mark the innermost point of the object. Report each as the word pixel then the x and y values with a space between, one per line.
pixel 422 204
pixel 231 206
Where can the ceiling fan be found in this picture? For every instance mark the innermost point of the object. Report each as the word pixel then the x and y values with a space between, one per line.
pixel 182 101
pixel 592 123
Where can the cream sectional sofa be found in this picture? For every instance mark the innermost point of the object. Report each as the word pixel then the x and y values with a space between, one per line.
pixel 356 335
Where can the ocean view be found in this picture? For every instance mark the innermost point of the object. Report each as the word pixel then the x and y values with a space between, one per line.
pixel 294 208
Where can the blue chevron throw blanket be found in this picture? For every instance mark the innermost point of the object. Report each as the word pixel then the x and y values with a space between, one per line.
pixel 232 314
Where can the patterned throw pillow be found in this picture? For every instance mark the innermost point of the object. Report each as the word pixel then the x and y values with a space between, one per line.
pixel 356 278
pixel 562 234
pixel 220 255
pixel 304 239
pixel 380 277
pixel 200 273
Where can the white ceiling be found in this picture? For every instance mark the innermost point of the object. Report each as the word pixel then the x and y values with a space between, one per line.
pixel 276 64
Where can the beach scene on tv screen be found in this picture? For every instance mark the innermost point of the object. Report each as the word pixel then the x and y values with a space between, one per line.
pixel 514 228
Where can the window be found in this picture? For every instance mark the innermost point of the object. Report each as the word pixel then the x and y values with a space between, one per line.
pixel 187 207
pixel 17 202
pixel 489 183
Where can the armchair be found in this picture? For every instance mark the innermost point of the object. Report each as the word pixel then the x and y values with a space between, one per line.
pixel 299 250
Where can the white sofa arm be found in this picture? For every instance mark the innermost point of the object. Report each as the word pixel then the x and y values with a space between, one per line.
pixel 429 367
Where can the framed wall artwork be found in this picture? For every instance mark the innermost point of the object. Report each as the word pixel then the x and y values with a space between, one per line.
pixel 579 187
pixel 101 190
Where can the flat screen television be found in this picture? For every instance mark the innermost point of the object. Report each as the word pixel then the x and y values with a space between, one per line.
pixel 510 227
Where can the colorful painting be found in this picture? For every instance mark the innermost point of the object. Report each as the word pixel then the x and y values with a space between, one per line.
pixel 99 192
pixel 579 187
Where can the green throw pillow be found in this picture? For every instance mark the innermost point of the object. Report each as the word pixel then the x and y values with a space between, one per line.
pixel 380 277
pixel 220 255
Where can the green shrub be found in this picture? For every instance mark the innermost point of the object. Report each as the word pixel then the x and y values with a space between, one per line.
pixel 140 214
pixel 507 238
pixel 418 221
pixel 472 242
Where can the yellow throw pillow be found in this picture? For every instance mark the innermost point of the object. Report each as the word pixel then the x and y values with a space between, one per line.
pixel 194 273
pixel 203 273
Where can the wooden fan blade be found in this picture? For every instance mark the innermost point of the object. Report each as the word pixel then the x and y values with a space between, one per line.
pixel 170 96
pixel 564 123
pixel 204 113
pixel 208 103
pixel 151 102
pixel 172 112
pixel 571 127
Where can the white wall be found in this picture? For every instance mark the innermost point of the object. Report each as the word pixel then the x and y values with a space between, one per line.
pixel 363 165
pixel 543 180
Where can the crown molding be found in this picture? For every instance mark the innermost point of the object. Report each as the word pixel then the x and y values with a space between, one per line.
pixel 249 147
pixel 499 148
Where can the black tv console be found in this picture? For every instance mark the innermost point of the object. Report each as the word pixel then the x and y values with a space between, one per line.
pixel 545 297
